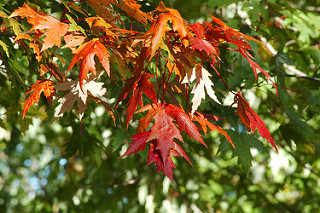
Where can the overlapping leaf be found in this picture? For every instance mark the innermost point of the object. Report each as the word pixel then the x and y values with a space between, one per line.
pixel 85 55
pixel 160 26
pixel 255 66
pixel 45 86
pixel 201 75
pixel 169 121
pixel 132 8
pixel 184 49
pixel 202 119
pixel 138 84
pixel 251 120
pixel 223 32
pixel 201 44
pixel 77 94
pixel 54 28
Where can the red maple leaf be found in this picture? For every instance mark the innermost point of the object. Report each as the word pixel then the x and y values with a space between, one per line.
pixel 200 44
pixel 164 131
pixel 85 55
pixel 251 120
pixel 138 144
pixel 169 120
pixel 228 34
pixel 184 122
pixel 256 66
pixel 155 156
pixel 137 84
pixel 40 86
pixel 223 32
pixel 202 119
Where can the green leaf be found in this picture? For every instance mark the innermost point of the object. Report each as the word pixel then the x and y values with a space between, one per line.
pixel 120 138
pixel 38 111
pixel 74 26
pixel 220 3
pixel 16 26
pixel 24 124
pixel 5 47
pixel 242 150
pixel 312 53
pixel 93 131
pixel 242 143
pixel 96 155
pixel 2 124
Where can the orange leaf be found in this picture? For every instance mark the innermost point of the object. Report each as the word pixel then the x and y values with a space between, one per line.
pixel 54 31
pixel 40 21
pixel 202 119
pixel 85 53
pixel 178 23
pixel 251 120
pixel 133 9
pixel 160 26
pixel 102 8
pixel 232 35
pixel 44 86
pixel 157 31
pixel 72 41
pixel 30 13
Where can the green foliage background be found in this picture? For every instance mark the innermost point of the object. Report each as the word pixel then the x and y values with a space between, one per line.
pixel 48 167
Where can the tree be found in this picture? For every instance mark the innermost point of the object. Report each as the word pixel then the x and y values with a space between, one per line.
pixel 145 63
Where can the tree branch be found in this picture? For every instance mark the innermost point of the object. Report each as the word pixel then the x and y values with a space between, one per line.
pixel 10 34
pixel 305 77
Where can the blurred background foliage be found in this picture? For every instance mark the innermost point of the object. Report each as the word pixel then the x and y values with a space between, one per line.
pixel 47 166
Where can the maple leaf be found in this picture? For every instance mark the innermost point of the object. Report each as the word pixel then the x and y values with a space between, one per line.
pixel 202 119
pixel 251 120
pixel 133 9
pixel 200 44
pixel 228 34
pixel 72 41
pixel 45 86
pixel 145 121
pixel 160 26
pixel 54 28
pixel 137 84
pixel 164 130
pixel 231 35
pixel 85 53
pixel 25 11
pixel 154 156
pixel 169 121
pixel 33 44
pixel 102 8
pixel 139 143
pixel 178 23
pixel 54 31
pixel 256 66
pixel 202 81
pixel 157 31
pixel 184 122
pixel 77 94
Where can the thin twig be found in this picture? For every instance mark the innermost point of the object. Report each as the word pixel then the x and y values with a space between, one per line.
pixel 305 77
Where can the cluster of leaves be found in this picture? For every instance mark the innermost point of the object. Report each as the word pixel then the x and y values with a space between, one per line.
pixel 55 167
pixel 162 63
